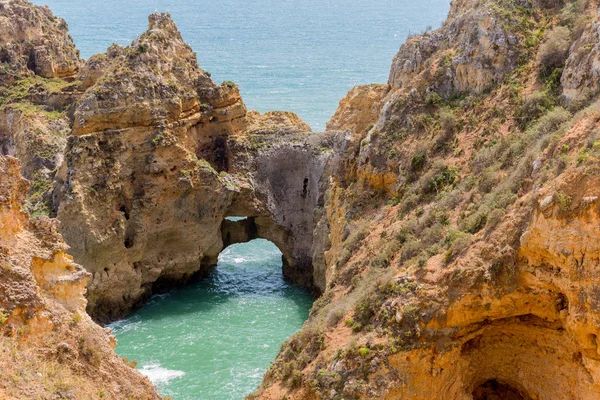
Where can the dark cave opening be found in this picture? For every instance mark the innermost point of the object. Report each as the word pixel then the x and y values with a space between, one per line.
pixel 497 390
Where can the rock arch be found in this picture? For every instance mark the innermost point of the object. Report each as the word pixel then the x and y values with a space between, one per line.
pixel 149 178
pixel 257 227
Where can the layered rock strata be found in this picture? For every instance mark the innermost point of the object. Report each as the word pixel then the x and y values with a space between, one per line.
pixel 160 156
pixel 50 347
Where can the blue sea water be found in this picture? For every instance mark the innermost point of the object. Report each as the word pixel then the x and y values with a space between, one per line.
pixel 295 55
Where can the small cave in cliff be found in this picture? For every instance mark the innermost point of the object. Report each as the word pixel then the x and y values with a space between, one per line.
pixel 215 151
pixel 7 145
pixel 497 390
pixel 129 237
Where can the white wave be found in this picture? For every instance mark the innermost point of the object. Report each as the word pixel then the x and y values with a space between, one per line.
pixel 158 374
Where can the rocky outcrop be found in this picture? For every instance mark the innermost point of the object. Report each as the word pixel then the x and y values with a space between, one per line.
pixel 156 80
pixel 50 345
pixel 34 41
pixel 475 48
pixel 460 255
pixel 581 76
pixel 39 63
pixel 160 156
pixel 359 110
pixel 287 175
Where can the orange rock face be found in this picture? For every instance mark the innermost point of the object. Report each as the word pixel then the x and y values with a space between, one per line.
pixel 449 219
pixel 49 345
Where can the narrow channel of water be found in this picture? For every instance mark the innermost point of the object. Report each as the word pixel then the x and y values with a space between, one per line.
pixel 215 339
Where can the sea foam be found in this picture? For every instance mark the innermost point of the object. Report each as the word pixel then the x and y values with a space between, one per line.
pixel 158 374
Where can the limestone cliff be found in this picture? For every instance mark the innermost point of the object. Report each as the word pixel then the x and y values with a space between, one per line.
pixel 34 41
pixel 448 218
pixel 160 156
pixel 461 215
pixel 50 347
pixel 38 67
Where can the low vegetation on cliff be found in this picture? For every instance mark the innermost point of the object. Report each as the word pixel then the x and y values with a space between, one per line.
pixel 448 219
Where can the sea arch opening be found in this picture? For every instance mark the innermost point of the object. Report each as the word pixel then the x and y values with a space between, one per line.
pixel 227 327
pixel 236 230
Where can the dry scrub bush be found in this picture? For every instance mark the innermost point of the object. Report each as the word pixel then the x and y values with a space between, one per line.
pixel 553 52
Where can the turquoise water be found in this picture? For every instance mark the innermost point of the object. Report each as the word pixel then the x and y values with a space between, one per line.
pixel 295 55
pixel 214 340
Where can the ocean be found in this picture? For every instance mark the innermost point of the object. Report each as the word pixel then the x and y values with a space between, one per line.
pixel 294 55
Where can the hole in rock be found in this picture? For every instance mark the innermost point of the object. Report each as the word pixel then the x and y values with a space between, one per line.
pixel 305 188
pixel 220 333
pixel 31 65
pixel 125 211
pixel 593 340
pixel 471 345
pixel 235 219
pixel 220 158
pixel 7 145
pixel 497 390
pixel 129 238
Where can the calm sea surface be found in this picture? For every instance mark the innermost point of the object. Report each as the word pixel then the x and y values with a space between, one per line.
pixel 214 340
pixel 294 55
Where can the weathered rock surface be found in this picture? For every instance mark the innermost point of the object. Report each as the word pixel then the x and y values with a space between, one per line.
pixel 34 41
pixel 160 156
pixel 460 255
pixel 50 347
pixel 448 218
pixel 476 47
pixel 581 76
pixel 38 63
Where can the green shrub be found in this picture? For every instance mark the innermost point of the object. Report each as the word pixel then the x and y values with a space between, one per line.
pixel 486 181
pixel 564 201
pixel 448 121
pixel 460 242
pixel 365 310
pixel 438 177
pixel 411 248
pixel 494 218
pixel 554 51
pixel 552 121
pixel 418 161
pixel 534 106
pixel 381 260
pixel 143 48
pixel 448 126
pixel 409 202
pixel 476 222
pixel 433 98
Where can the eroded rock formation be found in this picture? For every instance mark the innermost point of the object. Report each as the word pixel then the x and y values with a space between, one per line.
pixel 461 255
pixel 50 347
pixel 34 41
pixel 160 155
pixel 448 217
pixel 38 67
